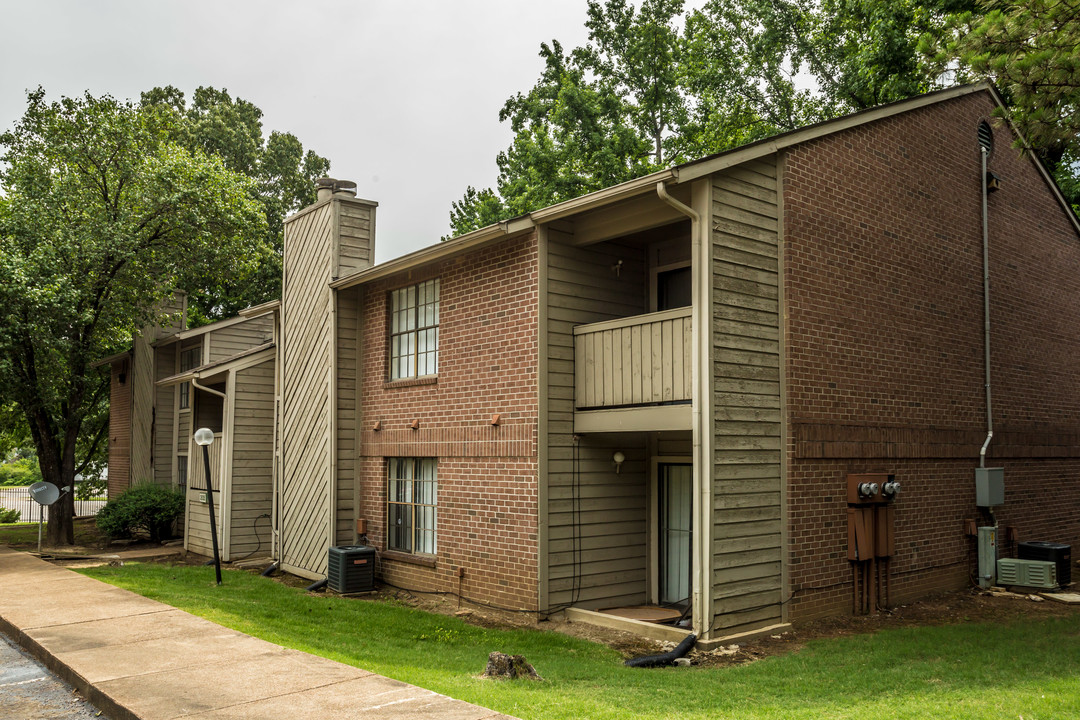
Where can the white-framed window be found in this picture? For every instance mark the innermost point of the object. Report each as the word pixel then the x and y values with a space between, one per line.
pixel 414 330
pixel 411 502
pixel 188 359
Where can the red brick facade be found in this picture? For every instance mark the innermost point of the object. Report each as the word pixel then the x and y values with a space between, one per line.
pixel 884 346
pixel 487 541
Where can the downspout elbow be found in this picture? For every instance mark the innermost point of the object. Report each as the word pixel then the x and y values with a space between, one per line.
pixel 195 384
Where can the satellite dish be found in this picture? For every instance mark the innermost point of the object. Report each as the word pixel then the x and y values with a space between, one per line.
pixel 44 493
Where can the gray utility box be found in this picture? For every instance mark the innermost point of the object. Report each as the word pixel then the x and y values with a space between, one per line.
pixel 1028 573
pixel 987 556
pixel 989 487
pixel 351 569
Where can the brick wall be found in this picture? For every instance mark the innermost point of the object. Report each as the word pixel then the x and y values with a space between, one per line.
pixel 884 346
pixel 487 475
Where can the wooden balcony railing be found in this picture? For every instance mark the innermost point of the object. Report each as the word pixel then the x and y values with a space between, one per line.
pixel 639 360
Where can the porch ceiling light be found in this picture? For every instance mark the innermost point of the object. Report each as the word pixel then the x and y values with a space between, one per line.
pixel 204 436
pixel 618 458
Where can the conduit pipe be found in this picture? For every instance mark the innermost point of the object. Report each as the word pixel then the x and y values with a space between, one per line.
pixel 984 151
pixel 699 323
pixel 664 659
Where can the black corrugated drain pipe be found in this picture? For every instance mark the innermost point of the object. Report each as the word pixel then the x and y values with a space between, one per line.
pixel 664 659
pixel 270 569
pixel 317 585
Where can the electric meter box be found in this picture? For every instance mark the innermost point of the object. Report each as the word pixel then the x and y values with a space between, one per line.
pixel 989 487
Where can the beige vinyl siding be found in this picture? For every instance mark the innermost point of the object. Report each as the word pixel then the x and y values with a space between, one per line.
pixel 747 520
pixel 356 233
pixel 236 338
pixel 610 556
pixel 142 409
pixel 305 426
pixel 251 487
pixel 119 427
pixel 347 351
pixel 164 416
pixel 197 520
pixel 184 430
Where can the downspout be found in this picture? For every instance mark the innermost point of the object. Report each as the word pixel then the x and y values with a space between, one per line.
pixel 984 151
pixel 195 384
pixel 698 324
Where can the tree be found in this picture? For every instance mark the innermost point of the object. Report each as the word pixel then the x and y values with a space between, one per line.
pixel 101 217
pixel 218 124
pixel 642 94
pixel 1031 51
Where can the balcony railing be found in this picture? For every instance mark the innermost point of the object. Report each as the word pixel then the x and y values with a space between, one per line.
pixel 639 360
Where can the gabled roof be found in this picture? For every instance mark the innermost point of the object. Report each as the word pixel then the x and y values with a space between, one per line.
pixel 251 356
pixel 683 173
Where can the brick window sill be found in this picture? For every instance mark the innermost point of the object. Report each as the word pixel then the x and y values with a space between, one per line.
pixel 411 382
pixel 425 560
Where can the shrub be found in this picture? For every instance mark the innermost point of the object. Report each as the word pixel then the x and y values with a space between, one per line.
pixel 22 471
pixel 144 508
pixel 9 516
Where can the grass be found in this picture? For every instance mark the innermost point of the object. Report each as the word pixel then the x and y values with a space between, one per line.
pixel 24 535
pixel 1027 669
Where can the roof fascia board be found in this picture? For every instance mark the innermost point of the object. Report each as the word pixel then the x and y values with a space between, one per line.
pixel 111 359
pixel 259 310
pixel 507 228
pixel 622 191
pixel 468 241
pixel 195 332
pixel 236 362
pixel 768 146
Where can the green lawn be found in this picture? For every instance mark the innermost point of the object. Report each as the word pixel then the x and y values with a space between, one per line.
pixel 1026 670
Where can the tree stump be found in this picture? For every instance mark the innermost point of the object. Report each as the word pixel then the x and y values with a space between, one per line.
pixel 501 665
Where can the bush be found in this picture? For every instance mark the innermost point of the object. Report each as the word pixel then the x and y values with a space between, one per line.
pixel 144 508
pixel 23 471
pixel 9 516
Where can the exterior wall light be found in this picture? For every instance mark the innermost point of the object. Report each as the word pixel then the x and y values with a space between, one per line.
pixel 618 458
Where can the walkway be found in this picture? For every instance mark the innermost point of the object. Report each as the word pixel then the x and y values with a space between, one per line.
pixel 138 659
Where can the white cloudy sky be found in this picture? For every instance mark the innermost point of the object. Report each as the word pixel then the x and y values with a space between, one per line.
pixel 402 96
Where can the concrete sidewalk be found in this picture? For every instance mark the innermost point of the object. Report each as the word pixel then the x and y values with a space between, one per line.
pixel 137 658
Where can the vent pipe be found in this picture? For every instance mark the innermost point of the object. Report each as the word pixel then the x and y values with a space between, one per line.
pixel 328 187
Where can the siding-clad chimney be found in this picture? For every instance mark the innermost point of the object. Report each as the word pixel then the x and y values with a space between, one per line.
pixel 332 238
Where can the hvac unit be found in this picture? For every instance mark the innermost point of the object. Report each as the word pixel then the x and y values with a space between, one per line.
pixel 1028 573
pixel 1053 552
pixel 351 569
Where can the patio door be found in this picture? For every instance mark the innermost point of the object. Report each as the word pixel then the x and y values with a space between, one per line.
pixel 675 490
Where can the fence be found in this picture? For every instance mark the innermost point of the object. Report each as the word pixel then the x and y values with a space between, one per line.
pixel 18 498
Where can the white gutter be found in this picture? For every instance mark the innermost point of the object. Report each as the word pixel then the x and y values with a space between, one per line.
pixel 195 384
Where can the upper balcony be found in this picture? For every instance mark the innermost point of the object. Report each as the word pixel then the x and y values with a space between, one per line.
pixel 634 373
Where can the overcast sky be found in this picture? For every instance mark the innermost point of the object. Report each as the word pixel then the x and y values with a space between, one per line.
pixel 402 97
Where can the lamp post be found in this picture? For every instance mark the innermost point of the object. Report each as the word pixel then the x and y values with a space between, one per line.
pixel 205 438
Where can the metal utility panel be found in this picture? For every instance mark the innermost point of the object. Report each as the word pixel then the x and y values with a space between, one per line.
pixel 987 556
pixel 1028 573
pixel 989 487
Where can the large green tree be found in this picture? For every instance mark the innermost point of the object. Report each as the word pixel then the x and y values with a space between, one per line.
pixel 102 216
pixel 1031 50
pixel 654 87
pixel 216 123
